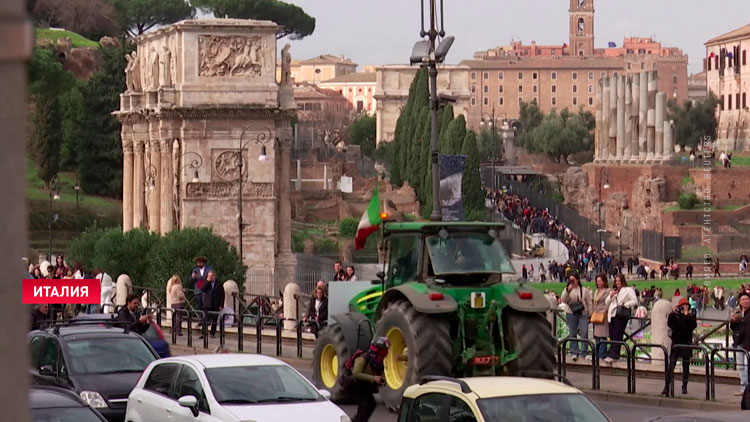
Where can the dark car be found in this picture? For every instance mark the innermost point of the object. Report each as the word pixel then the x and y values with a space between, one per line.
pixel 101 364
pixel 154 335
pixel 51 404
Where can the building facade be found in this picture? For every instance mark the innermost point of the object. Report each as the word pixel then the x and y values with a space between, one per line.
pixel 357 88
pixel 727 76
pixel 697 87
pixel 320 68
pixel 321 113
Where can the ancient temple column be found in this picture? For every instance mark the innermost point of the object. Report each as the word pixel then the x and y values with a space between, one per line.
pixel 604 140
pixel 127 184
pixel 154 185
pixel 165 207
pixel 612 117
pixel 620 117
pixel 668 141
pixel 659 126
pixel 627 113
pixel 643 116
pixel 651 117
pixel 634 116
pixel 138 184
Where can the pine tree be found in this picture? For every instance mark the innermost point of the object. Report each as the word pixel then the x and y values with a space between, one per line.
pixel 471 186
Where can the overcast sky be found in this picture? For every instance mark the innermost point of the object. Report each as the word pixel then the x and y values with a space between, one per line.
pixel 383 31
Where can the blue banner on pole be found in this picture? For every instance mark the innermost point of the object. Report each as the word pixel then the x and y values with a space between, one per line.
pixel 451 176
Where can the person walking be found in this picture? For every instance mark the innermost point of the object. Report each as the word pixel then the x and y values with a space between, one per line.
pixel 599 315
pixel 213 301
pixel 198 279
pixel 740 325
pixel 542 273
pixel 578 299
pixel 178 300
pixel 524 272
pixel 682 323
pixel 689 271
pixel 367 377
pixel 717 273
pixel 620 304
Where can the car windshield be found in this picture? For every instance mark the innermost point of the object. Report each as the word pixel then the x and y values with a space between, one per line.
pixel 64 414
pixel 259 384
pixel 463 253
pixel 108 355
pixel 541 408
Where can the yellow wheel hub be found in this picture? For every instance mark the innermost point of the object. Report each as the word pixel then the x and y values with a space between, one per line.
pixel 395 362
pixel 329 366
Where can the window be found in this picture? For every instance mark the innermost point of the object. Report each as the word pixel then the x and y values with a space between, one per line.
pixel 629 66
pixel 535 100
pixel 602 75
pixel 459 411
pixel 486 75
pixel 520 100
pixel 500 89
pixel 486 89
pixel 575 89
pixel 744 57
pixel 591 101
pixel 709 63
pixel 534 89
pixel 160 379
pixel 737 101
pixel 729 106
pixel 716 62
pixel 575 76
pixel 674 79
pixel 520 88
pixel 721 103
pixel 473 89
pixel 591 89
pixel 641 51
pixel 534 75
pixel 360 106
pixel 554 88
pixel 501 101
pixel 575 101
pixel 653 66
pixel 520 75
pixel 744 100
pixel 615 74
pixel 643 66
pixel 473 76
pixel 486 101
pixel 473 101
pixel 430 407
pixel 188 384
pixel 554 75
pixel 500 75
pixel 554 101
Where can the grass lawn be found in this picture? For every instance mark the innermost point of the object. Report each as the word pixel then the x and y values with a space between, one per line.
pixel 35 191
pixel 76 40
pixel 668 286
pixel 699 207
pixel 740 160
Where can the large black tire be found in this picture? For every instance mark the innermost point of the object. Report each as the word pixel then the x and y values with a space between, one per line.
pixel 333 336
pixel 531 335
pixel 428 346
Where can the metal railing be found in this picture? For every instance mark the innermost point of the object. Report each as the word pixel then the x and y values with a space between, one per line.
pixel 726 350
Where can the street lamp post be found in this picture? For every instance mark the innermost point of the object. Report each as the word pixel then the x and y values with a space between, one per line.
pixel 605 186
pixel 54 194
pixel 263 137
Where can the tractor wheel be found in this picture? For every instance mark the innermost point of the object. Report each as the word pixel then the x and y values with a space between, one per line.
pixel 420 345
pixel 329 357
pixel 530 334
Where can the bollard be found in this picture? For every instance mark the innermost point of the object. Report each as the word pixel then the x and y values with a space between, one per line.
pixel 240 333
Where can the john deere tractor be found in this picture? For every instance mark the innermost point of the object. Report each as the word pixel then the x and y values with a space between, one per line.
pixel 446 308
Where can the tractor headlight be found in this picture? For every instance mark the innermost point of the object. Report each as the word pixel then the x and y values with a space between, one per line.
pixel 93 399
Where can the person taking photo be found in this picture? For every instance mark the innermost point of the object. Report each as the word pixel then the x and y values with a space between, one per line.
pixel 682 322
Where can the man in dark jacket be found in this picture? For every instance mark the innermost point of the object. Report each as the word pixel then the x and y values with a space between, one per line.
pixel 740 325
pixel 682 323
pixel 198 279
pixel 213 299
pixel 39 317
pixel 131 316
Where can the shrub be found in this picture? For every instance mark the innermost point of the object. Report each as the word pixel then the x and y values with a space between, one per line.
pixel 687 180
pixel 125 253
pixel 687 201
pixel 348 228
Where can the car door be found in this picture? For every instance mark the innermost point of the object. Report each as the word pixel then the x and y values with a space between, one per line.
pixel 189 384
pixel 153 401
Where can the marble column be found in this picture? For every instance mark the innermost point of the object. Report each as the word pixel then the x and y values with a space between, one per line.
pixel 650 116
pixel 138 184
pixel 127 184
pixel 643 116
pixel 634 116
pixel 659 125
pixel 604 141
pixel 612 117
pixel 154 186
pixel 165 182
pixel 668 141
pixel 627 112
pixel 285 206
pixel 620 117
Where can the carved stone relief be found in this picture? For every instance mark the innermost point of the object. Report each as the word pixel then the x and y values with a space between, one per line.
pixel 227 164
pixel 230 56
pixel 224 190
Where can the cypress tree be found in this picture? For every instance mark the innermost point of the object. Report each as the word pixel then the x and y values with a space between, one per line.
pixel 454 136
pixel 47 136
pixel 471 186
pixel 446 117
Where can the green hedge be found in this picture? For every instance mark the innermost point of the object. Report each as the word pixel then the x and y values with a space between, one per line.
pixel 687 201
pixel 348 228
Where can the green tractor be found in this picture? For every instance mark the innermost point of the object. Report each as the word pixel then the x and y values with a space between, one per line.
pixel 446 310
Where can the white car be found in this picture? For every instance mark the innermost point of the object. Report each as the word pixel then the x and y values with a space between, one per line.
pixel 227 388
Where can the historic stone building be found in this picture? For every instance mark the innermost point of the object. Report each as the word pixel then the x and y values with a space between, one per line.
pixel 202 116
pixel 727 77
pixel 320 68
pixel 357 88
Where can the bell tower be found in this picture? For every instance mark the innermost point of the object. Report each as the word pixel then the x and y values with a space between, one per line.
pixel 581 27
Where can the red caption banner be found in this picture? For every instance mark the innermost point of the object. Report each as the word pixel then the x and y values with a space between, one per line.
pixel 61 291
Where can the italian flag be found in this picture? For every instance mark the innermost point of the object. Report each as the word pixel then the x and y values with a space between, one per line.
pixel 369 221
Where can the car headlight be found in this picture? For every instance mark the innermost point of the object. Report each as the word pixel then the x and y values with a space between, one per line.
pixel 93 399
pixel 345 418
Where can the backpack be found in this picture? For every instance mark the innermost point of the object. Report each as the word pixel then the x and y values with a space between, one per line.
pixel 347 377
